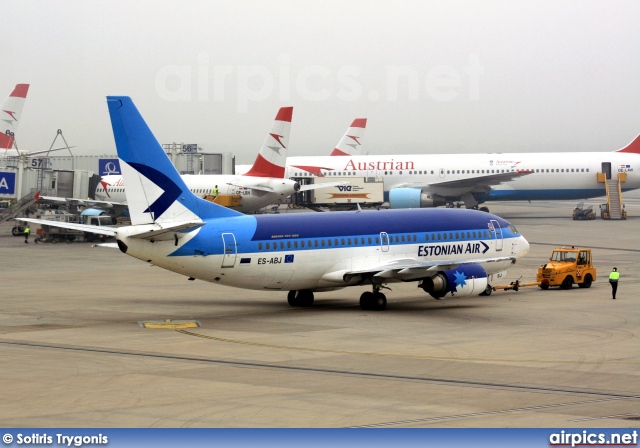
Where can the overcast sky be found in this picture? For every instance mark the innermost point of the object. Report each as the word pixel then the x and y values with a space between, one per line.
pixel 430 76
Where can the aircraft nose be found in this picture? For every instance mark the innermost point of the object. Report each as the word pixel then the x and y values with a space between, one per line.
pixel 524 246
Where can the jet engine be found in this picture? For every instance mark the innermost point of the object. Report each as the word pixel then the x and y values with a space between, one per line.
pixel 414 198
pixel 465 280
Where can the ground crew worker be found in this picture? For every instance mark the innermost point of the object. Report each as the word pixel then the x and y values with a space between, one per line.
pixel 613 280
pixel 215 191
pixel 27 231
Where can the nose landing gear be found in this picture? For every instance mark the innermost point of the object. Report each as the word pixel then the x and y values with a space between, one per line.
pixel 302 298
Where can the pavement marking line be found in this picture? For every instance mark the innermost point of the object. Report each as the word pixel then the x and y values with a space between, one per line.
pixel 397 355
pixel 502 411
pixel 169 324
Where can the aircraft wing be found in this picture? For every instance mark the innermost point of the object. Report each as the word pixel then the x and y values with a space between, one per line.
pixel 406 269
pixel 103 205
pixel 100 230
pixel 472 184
pixel 317 186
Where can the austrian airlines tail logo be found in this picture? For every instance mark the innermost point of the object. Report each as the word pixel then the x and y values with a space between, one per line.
pixel 11 114
pixel 355 138
pixel 105 185
pixel 277 138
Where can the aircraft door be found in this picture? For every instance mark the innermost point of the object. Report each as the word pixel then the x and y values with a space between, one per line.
pixel 606 168
pixel 497 231
pixel 384 241
pixel 442 173
pixel 230 250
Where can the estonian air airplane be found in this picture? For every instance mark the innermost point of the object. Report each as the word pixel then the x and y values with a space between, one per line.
pixel 263 183
pixel 413 181
pixel 450 252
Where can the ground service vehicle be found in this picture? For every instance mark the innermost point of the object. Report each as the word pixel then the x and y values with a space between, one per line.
pixel 566 267
pixel 102 220
pixel 582 212
pixel 605 212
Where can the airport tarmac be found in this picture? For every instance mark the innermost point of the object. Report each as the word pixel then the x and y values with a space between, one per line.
pixel 75 354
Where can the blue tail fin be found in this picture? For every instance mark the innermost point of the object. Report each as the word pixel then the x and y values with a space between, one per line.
pixel 155 191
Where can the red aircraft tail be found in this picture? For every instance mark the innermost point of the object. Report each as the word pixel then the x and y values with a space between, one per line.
pixel 634 146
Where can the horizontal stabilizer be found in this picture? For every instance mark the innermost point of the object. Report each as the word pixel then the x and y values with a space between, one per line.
pixel 254 187
pixel 167 232
pixel 107 245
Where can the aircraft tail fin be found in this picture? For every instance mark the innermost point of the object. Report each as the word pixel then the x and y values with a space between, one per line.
pixel 272 158
pixel 10 111
pixel 634 146
pixel 349 144
pixel 155 191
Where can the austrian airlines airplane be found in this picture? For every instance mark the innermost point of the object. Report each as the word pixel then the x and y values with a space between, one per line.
pixel 10 111
pixel 413 181
pixel 263 184
pixel 349 144
pixel 450 252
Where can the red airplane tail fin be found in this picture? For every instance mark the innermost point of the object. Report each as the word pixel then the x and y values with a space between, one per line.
pixel 633 147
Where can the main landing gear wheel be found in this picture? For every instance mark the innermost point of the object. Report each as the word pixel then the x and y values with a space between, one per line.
pixel 302 298
pixel 484 209
pixel 375 301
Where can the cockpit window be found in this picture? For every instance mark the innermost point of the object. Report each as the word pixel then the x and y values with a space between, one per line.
pixel 513 229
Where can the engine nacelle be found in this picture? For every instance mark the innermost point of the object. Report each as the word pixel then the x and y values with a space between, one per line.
pixel 465 280
pixel 414 198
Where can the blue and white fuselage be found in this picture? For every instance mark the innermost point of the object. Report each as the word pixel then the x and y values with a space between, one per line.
pixel 319 251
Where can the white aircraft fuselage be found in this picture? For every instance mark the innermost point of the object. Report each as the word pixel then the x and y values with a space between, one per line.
pixel 534 176
pixel 255 192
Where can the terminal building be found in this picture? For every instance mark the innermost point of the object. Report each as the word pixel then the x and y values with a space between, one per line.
pixel 76 176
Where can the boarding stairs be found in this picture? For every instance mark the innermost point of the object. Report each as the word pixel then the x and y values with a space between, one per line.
pixel 17 208
pixel 614 199
pixel 613 188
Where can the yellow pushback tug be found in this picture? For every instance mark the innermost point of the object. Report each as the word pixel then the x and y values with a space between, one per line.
pixel 567 265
